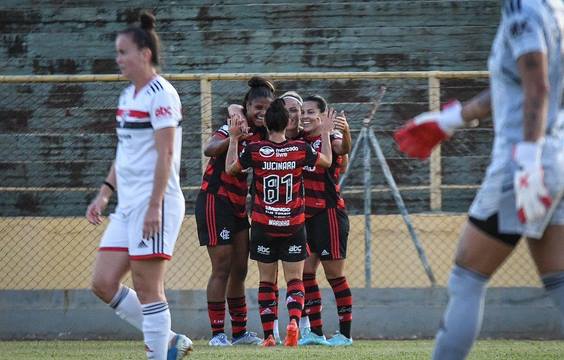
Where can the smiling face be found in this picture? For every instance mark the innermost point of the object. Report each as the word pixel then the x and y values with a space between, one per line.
pixel 295 110
pixel 311 118
pixel 256 110
pixel 131 60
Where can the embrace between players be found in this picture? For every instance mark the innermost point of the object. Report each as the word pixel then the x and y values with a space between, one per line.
pixel 296 200
pixel 295 149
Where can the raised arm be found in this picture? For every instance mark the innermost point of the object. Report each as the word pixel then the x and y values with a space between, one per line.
pixel 342 146
pixel 326 156
pixel 232 166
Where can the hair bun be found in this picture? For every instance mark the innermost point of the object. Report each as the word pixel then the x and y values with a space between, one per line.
pixel 257 81
pixel 147 21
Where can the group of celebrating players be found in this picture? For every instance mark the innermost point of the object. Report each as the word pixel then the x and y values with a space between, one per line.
pixel 295 150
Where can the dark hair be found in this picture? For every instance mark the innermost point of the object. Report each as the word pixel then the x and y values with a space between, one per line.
pixel 277 116
pixel 259 88
pixel 321 102
pixel 145 36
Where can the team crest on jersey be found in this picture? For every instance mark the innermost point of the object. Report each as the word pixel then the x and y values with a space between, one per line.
pixel 317 144
pixel 225 234
pixel 266 151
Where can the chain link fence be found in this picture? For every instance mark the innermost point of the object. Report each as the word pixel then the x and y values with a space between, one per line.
pixel 57 142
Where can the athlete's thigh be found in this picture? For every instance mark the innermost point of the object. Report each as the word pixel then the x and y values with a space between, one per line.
pixel 148 279
pixel 293 270
pixel 268 271
pixel 311 263
pixel 479 251
pixel 548 252
pixel 241 244
pixel 112 259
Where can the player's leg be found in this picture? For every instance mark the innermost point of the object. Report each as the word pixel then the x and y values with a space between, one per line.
pixel 236 289
pixel 293 252
pixel 548 254
pixel 262 250
pixel 148 280
pixel 481 251
pixel 333 262
pixel 147 261
pixel 311 322
pixel 215 231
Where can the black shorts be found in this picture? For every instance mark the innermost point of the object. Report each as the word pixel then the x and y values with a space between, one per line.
pixel 490 226
pixel 328 233
pixel 268 249
pixel 216 220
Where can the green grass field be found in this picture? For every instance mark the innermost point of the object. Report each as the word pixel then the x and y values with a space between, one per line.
pixel 408 349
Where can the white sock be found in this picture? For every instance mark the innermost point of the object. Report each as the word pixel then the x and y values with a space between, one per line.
pixel 156 329
pixel 127 306
pixel 275 330
pixel 304 323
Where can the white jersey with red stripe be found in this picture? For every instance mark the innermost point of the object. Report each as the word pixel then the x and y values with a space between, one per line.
pixel 139 116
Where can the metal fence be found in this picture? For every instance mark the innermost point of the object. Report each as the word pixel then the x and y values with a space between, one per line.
pixel 57 142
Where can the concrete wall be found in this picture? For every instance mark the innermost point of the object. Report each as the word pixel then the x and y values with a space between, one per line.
pixel 516 313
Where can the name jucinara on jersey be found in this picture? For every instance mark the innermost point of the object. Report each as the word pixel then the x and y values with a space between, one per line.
pixel 274 165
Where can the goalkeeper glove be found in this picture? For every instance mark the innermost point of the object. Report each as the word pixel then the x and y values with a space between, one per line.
pixel 420 135
pixel 531 196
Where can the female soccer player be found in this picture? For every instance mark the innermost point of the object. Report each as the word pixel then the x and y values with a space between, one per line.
pixel 223 226
pixel 521 194
pixel 143 230
pixel 277 230
pixel 327 226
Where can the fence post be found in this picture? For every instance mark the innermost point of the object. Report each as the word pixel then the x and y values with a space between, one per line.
pixel 206 113
pixel 367 205
pixel 435 160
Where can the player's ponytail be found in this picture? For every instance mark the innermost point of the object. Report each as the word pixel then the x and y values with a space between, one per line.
pixel 145 36
pixel 277 116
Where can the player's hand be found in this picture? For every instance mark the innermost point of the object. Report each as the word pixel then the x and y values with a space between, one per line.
pixel 328 120
pixel 94 210
pixel 531 195
pixel 152 222
pixel 341 123
pixel 420 135
pixel 238 127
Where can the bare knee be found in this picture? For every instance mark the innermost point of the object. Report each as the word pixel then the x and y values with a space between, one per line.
pixel 104 287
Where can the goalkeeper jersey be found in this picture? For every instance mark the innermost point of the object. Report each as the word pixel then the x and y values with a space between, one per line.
pixel 526 26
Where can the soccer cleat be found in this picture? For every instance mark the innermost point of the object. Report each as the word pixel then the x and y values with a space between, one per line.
pixel 292 334
pixel 181 345
pixel 340 340
pixel 311 338
pixel 219 340
pixel 248 338
pixel 269 341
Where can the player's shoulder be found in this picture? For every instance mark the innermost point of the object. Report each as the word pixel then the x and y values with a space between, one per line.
pixel 160 86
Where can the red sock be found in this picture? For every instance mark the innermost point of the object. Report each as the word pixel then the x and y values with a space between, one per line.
pixel 238 313
pixel 343 298
pixel 295 299
pixel 312 305
pixel 267 306
pixel 216 313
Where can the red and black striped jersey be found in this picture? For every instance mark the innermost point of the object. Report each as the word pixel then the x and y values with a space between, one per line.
pixel 322 185
pixel 217 181
pixel 278 201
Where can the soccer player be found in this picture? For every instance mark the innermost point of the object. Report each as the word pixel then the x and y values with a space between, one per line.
pixel 144 227
pixel 277 230
pixel 223 226
pixel 521 191
pixel 327 226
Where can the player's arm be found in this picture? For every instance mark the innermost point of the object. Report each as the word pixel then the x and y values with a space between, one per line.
pixel 342 145
pixel 325 157
pixel 420 135
pixel 232 165
pixel 344 163
pixel 532 197
pixel 108 187
pixel 216 145
pixel 164 144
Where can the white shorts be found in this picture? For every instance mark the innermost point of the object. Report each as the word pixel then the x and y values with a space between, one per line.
pixel 497 196
pixel 125 231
